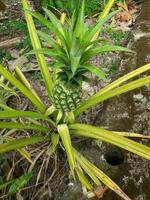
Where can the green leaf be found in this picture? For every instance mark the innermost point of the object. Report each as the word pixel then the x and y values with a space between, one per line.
pixel 22 151
pixel 25 154
pixel 15 125
pixel 123 79
pixel 54 21
pixel 66 140
pixel 58 28
pixel 26 82
pixel 47 38
pixel 100 96
pixel 19 183
pixel 40 105
pixel 54 142
pixel 4 185
pixel 62 21
pixel 40 18
pixel 75 60
pixel 83 179
pixel 47 51
pixel 36 45
pixel 5 87
pixel 107 9
pixel 55 44
pixel 27 114
pixel 15 114
pixel 80 22
pixel 102 49
pixel 60 56
pixel 95 70
pixel 90 34
pixel 5 107
pixel 70 118
pixel 132 135
pixel 19 143
pixel 111 137
pixel 88 170
pixel 120 90
pixel 59 117
pixel 50 111
pixel 104 14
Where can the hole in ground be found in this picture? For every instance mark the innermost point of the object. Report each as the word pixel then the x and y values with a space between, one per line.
pixel 114 157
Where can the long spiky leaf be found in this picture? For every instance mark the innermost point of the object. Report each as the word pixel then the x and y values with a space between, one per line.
pixel 104 14
pixel 19 143
pixel 112 93
pixel 40 105
pixel 36 45
pixel 66 140
pixel 19 126
pixel 111 137
pixel 100 96
pixel 27 114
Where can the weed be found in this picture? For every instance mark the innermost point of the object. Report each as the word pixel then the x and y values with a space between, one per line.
pixel 114 66
pixel 116 36
pixel 4 55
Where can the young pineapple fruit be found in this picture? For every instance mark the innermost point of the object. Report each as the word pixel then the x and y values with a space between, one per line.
pixel 66 97
pixel 71 55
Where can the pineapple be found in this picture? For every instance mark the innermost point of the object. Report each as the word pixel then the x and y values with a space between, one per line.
pixel 66 97
pixel 71 55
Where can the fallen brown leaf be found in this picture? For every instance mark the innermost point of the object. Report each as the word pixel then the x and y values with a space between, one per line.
pixel 124 16
pixel 99 191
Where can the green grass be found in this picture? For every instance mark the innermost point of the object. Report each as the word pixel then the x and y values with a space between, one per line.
pixel 37 75
pixel 91 7
pixel 116 36
pixel 114 66
pixel 4 54
pixel 12 25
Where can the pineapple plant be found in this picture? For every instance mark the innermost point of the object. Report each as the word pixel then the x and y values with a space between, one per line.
pixel 75 43
pixel 74 47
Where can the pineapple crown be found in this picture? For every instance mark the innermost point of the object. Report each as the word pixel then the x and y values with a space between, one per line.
pixel 75 45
